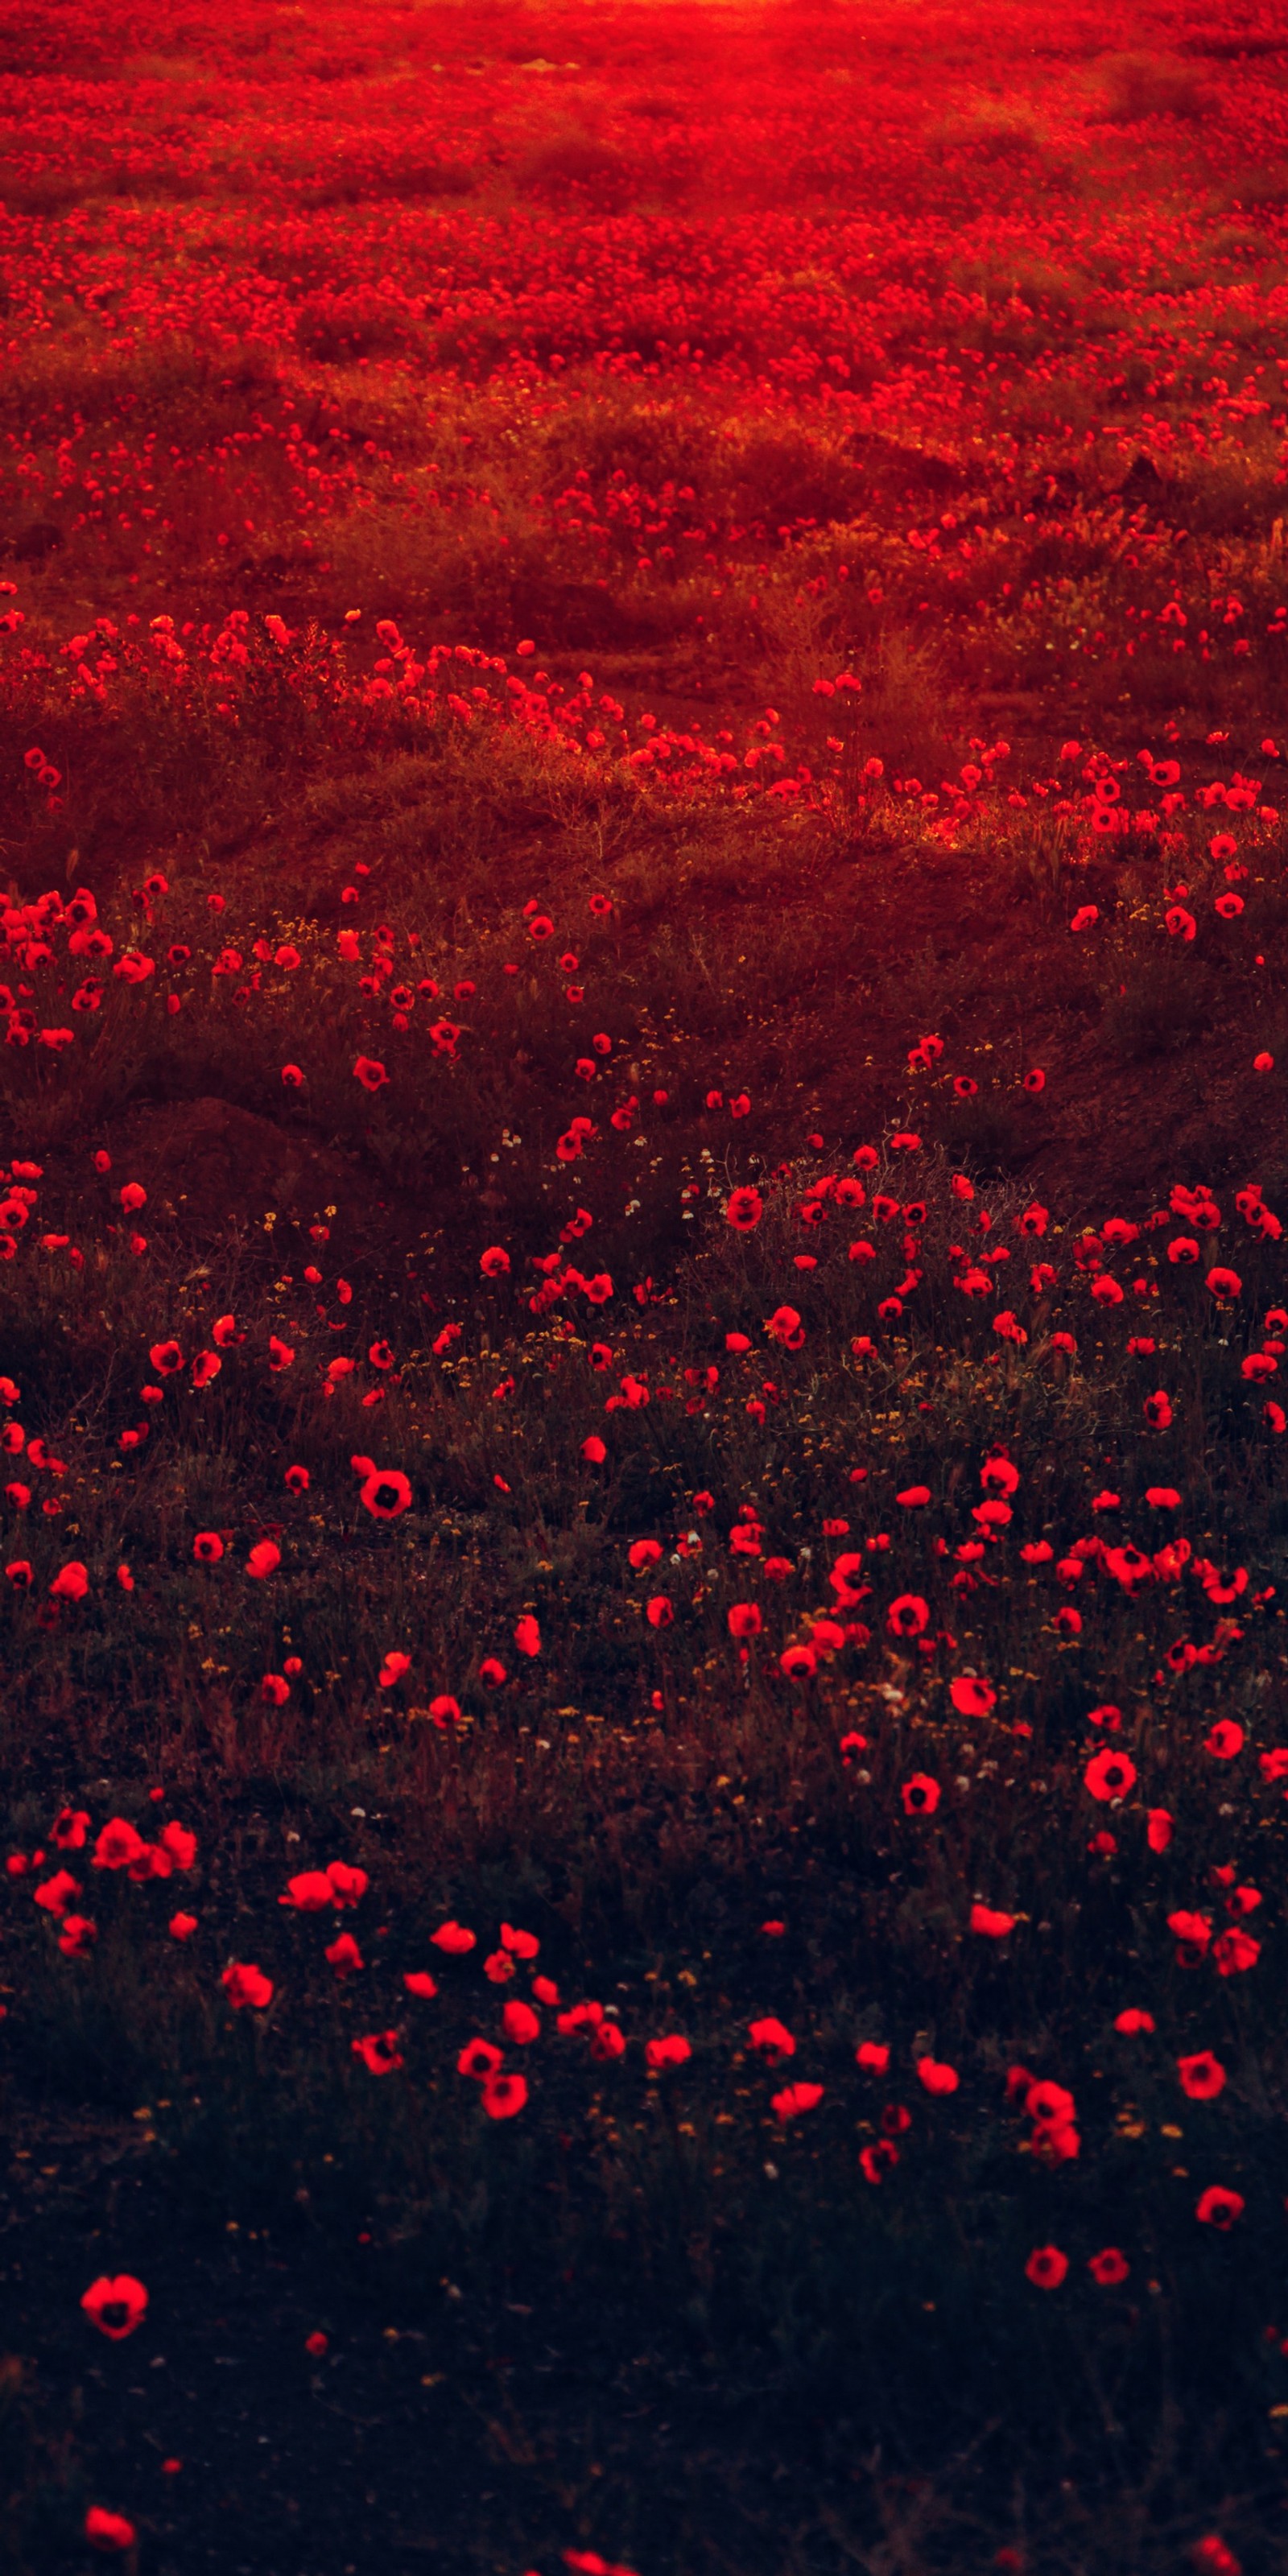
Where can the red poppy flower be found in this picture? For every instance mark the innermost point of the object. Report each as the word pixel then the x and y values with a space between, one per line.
pixel 920 1795
pixel 504 2095
pixel 1132 2022
pixel 520 2023
pixel 785 1326
pixel 72 1582
pixel 1224 1283
pixel 108 2531
pixel 264 1559
pixel 873 2056
pixel 1234 1951
pixel 385 1493
pixel 1110 1775
pixel 674 2050
pixel 453 1938
pixel 1109 2267
pixel 310 1892
pixel 937 2077
pixel 1212 2558
pixel 1217 2207
pixel 116 2306
pixel 1224 1740
pixel 118 1845
pixel 244 1984
pixel 908 1615
pixel 378 2050
pixel 370 1072
pixel 1046 2267
pixel 344 1956
pixel 771 2038
pixel 495 1262
pixel 795 2098
pixel 983 1918
pixel 1193 1932
pixel 972 1697
pixel 744 1209
pixel 876 2161
pixel 913 1497
pixel 479 2059
pixel 181 1926
pixel 178 1844
pixel 1202 2076
pixel 347 1885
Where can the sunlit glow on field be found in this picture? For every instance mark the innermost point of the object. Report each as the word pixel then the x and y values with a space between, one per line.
pixel 643 1316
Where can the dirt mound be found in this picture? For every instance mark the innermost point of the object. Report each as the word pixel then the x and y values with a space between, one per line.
pixel 210 1164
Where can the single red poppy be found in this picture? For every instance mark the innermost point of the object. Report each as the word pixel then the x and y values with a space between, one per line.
pixel 1109 2267
pixel 108 2531
pixel 1218 2207
pixel 378 2050
pixel 245 1984
pixel 795 2098
pixel 673 2050
pixel 503 2096
pixel 116 2305
pixel 1202 2076
pixel 771 2038
pixel 908 1615
pixel 920 1795
pixel 936 2077
pixel 1046 2267
pixel 1110 1775
pixel 385 1493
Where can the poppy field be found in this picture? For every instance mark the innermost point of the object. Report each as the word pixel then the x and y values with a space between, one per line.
pixel 643 1307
